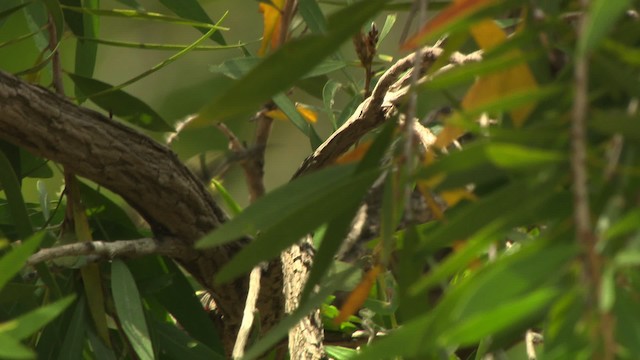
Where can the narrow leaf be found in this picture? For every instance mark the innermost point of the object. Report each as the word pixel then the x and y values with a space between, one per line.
pixel 14 260
pixel 9 182
pixel 26 325
pixel 129 309
pixel 121 104
pixel 191 9
pixel 601 17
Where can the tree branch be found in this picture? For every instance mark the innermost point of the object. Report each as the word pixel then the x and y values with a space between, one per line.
pixel 146 174
pixel 122 248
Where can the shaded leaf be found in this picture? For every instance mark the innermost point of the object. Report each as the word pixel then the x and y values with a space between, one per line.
pixel 290 227
pixel 176 344
pixel 601 17
pixel 313 16
pixel 27 324
pixel 191 9
pixel 121 104
pixel 17 207
pixel 14 260
pixel 129 309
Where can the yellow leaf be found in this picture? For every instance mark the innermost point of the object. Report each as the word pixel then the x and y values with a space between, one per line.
pixel 309 115
pixel 452 13
pixel 354 155
pixel 272 14
pixel 358 295
pixel 487 88
pixel 454 196
pixel 433 205
pixel 448 135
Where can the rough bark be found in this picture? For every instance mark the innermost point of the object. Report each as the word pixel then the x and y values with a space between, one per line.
pixel 306 338
pixel 146 174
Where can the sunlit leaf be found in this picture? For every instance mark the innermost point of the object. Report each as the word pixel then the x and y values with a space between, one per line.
pixel 272 14
pixel 493 86
pixel 457 11
pixel 309 115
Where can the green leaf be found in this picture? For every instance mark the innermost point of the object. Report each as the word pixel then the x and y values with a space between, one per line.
pixel 239 67
pixel 121 104
pixel 231 203
pixel 33 166
pixel 340 352
pixel 601 17
pixel 295 221
pixel 290 200
pixel 191 9
pixel 86 51
pixel 27 324
pixel 289 108
pixel 180 300
pixel 335 233
pixel 178 344
pixel 76 335
pixel 6 13
pixel 313 16
pixel 475 327
pixel 616 122
pixel 386 28
pixel 10 184
pixel 105 213
pixel 511 156
pixel 14 260
pixel 11 348
pixel 328 95
pixel 279 71
pixel 129 309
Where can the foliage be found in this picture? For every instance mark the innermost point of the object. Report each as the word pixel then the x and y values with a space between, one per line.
pixel 502 252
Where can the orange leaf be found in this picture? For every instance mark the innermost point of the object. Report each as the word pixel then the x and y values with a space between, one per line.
pixel 271 13
pixel 358 295
pixel 306 113
pixel 452 13
pixel 354 155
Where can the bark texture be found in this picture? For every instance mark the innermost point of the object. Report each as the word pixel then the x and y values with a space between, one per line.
pixel 146 174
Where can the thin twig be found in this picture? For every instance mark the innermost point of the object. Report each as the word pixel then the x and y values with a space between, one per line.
pixel 410 117
pixel 55 59
pixel 249 313
pixel 592 261
pixel 115 249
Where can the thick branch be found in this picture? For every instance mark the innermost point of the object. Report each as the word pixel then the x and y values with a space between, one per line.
pixel 146 174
